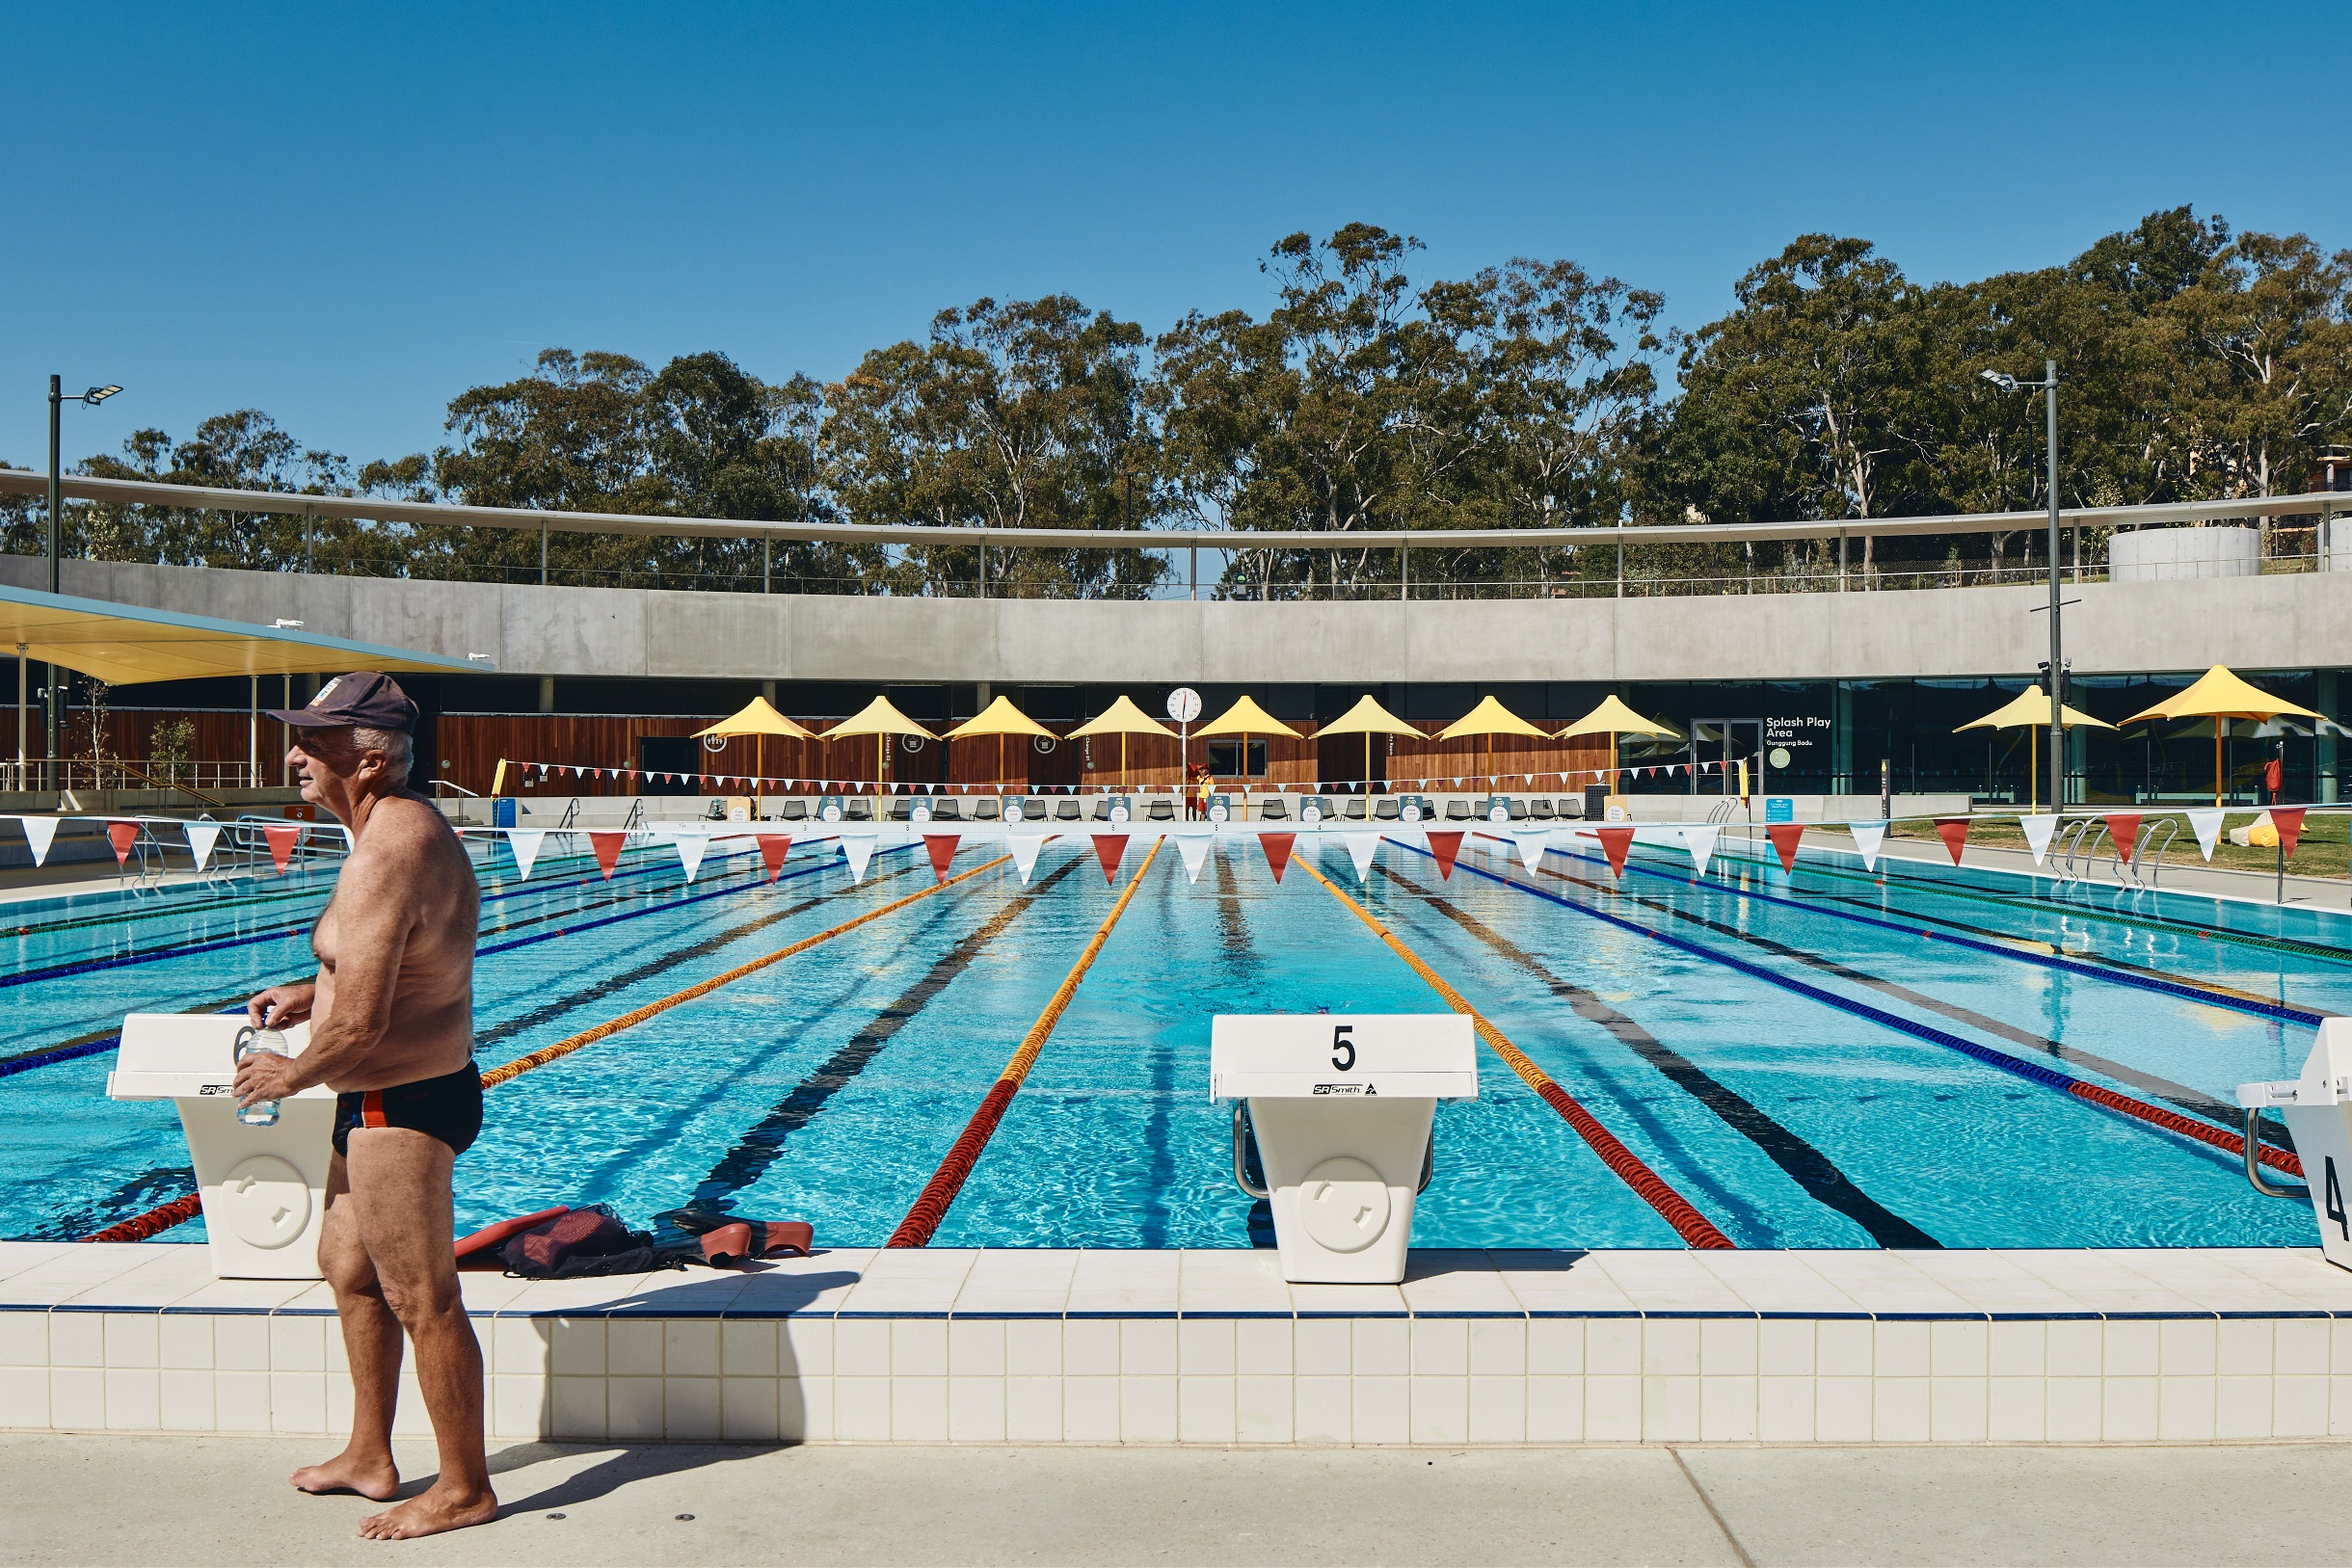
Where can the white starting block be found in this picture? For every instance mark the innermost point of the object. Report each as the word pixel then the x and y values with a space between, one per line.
pixel 1341 1107
pixel 2317 1109
pixel 264 1187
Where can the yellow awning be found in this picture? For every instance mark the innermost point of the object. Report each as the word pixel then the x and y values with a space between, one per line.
pixel 877 718
pixel 2030 708
pixel 124 644
pixel 1491 718
pixel 1246 718
pixel 1615 718
pixel 1122 718
pixel 1000 718
pixel 758 718
pixel 1369 718
pixel 2220 693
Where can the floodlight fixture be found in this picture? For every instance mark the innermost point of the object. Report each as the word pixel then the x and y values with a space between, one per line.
pixel 2002 379
pixel 99 394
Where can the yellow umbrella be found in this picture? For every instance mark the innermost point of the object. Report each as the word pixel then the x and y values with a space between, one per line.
pixel 1368 718
pixel 1246 718
pixel 1613 719
pixel 1122 718
pixel 2219 694
pixel 1490 719
pixel 879 720
pixel 2031 709
pixel 758 718
pixel 1000 719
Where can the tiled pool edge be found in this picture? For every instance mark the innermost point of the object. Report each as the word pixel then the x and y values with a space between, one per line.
pixel 938 1352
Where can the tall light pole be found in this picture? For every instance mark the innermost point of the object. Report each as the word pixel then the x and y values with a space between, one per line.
pixel 2047 385
pixel 92 398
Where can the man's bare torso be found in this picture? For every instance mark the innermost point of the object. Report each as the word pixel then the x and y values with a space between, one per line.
pixel 413 876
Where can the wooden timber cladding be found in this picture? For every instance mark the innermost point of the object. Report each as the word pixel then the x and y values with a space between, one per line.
pixel 470 745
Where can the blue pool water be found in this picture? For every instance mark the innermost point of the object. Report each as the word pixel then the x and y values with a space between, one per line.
pixel 1792 1055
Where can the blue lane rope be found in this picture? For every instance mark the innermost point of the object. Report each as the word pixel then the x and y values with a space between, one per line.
pixel 2175 987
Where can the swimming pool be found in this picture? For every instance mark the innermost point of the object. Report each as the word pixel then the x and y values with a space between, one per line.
pixel 1838 1059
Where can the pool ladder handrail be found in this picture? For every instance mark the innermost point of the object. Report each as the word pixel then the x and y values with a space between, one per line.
pixel 2146 865
pixel 2075 838
pixel 1243 1133
pixel 2254 1160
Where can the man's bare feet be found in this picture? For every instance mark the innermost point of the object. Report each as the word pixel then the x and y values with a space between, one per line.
pixel 430 1512
pixel 374 1478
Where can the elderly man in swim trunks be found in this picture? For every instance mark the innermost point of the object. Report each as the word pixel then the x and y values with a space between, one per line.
pixel 392 1031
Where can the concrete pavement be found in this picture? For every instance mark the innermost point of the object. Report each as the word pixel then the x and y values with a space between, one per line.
pixel 170 1500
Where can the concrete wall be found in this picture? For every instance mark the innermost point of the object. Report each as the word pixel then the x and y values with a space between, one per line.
pixel 2261 623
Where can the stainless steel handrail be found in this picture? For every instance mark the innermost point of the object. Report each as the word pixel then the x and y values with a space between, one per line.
pixel 2254 1160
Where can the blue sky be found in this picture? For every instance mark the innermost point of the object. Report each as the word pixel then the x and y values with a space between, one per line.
pixel 343 217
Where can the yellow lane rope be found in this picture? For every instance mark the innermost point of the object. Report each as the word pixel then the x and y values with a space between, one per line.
pixel 630 1020
pixel 930 1208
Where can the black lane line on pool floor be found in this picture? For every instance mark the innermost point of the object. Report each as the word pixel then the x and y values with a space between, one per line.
pixel 1233 935
pixel 2187 1099
pixel 615 984
pixel 763 1145
pixel 1803 1164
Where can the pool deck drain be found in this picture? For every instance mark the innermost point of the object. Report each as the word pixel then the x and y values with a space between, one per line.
pixel 1210 1346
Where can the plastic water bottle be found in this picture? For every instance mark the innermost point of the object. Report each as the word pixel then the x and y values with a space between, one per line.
pixel 253 1042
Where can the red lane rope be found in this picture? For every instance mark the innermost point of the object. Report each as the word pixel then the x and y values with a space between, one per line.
pixel 139 1227
pixel 1693 1227
pixel 930 1208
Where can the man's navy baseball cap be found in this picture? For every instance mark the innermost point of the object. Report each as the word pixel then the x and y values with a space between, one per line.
pixel 363 699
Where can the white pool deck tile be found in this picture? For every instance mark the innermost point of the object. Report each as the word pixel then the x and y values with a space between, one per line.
pixel 1214 1346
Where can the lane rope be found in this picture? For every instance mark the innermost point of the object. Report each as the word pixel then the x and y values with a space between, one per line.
pixel 930 1208
pixel 2155 1115
pixel 1693 1227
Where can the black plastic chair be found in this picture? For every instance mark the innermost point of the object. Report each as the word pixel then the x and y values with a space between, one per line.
pixel 1159 811
pixel 984 811
pixel 947 809
pixel 1274 811
pixel 857 808
pixel 902 809
pixel 1354 810
pixel 1458 811
pixel 792 810
pixel 1067 810
pixel 1541 806
pixel 1386 811
pixel 1516 809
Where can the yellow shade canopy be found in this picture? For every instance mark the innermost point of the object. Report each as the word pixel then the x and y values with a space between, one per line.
pixel 2220 693
pixel 877 718
pixel 1369 718
pixel 125 644
pixel 1246 718
pixel 998 718
pixel 1615 718
pixel 2031 709
pixel 757 718
pixel 1122 718
pixel 1491 718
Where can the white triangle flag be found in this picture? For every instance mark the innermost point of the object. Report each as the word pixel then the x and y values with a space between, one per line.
pixel 693 844
pixel 1867 837
pixel 1193 847
pixel 525 843
pixel 1699 840
pixel 1532 846
pixel 2207 821
pixel 1025 847
pixel 39 832
pixel 201 836
pixel 1361 848
pixel 858 848
pixel 2038 830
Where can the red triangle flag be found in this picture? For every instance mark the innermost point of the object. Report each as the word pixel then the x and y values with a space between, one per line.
pixel 283 839
pixel 2123 827
pixel 943 847
pixel 1615 842
pixel 2288 820
pixel 1954 831
pixel 1110 848
pixel 607 847
pixel 1444 847
pixel 1786 836
pixel 773 848
pixel 1277 847
pixel 123 836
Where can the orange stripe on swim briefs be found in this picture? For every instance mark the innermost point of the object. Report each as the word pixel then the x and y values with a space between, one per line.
pixel 371 1108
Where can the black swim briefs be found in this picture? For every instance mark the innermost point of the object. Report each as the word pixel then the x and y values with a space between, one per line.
pixel 448 1107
